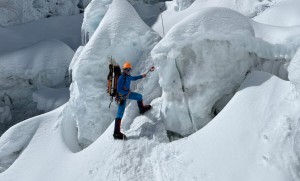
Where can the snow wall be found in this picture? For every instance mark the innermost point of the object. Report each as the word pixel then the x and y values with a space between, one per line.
pixel 121 34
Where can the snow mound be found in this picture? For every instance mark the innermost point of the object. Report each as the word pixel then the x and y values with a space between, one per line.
pixel 124 36
pixel 199 62
pixel 21 72
pixel 48 99
pixel 21 36
pixel 21 11
pixel 173 15
pixel 283 43
pixel 37 62
pixel 283 14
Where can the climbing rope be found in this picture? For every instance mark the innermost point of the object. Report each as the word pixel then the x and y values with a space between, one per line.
pixel 162 20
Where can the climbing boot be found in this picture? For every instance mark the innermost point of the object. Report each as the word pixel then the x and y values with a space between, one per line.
pixel 117 133
pixel 119 136
pixel 143 108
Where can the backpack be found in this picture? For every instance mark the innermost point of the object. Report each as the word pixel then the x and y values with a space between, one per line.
pixel 112 81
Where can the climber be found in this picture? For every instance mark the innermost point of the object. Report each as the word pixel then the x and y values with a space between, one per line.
pixel 124 92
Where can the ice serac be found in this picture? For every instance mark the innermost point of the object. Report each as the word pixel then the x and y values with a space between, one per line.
pixel 121 34
pixel 93 15
pixel 199 62
pixel 95 11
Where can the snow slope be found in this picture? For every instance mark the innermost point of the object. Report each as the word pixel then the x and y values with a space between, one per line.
pixel 30 54
pixel 253 138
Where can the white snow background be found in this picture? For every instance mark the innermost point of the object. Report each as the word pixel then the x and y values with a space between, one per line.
pixel 227 80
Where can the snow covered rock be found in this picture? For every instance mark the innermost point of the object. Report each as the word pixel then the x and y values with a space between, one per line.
pixel 21 11
pixel 121 34
pixel 199 62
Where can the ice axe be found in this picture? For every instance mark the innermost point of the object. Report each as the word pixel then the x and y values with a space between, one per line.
pixel 150 70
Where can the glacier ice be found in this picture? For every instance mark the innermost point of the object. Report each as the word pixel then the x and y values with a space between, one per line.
pixel 197 67
pixel 95 11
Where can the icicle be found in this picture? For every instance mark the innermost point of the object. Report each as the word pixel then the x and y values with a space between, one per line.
pixel 84 37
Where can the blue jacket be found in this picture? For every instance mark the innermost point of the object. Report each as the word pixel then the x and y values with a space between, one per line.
pixel 124 83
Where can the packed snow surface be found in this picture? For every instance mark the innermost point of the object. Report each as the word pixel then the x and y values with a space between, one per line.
pixel 253 138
